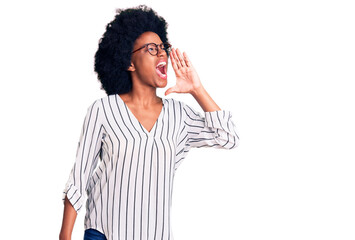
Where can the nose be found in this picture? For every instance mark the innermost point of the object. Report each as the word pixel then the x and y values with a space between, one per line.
pixel 161 52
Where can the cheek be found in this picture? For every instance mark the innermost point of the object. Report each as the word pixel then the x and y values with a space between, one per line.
pixel 145 68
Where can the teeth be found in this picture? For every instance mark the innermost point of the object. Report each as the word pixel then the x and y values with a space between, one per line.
pixel 161 64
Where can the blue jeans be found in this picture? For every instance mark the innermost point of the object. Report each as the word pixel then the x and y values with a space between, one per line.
pixel 93 234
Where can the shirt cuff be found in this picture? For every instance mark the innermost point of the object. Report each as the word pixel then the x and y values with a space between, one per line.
pixel 74 197
pixel 218 119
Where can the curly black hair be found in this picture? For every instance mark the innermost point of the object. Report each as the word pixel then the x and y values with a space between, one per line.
pixel 113 56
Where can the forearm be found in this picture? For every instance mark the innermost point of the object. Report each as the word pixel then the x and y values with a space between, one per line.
pixel 205 100
pixel 69 216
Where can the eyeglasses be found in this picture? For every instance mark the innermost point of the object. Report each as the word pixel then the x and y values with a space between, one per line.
pixel 153 48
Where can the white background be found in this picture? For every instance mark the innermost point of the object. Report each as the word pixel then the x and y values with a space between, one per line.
pixel 285 69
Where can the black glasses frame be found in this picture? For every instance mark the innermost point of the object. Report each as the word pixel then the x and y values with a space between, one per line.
pixel 167 49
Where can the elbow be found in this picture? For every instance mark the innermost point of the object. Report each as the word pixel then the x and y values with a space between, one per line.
pixel 227 141
pixel 234 143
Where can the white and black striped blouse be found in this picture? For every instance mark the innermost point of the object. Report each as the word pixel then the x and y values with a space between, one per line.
pixel 127 173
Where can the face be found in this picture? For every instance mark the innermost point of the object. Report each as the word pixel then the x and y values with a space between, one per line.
pixel 144 65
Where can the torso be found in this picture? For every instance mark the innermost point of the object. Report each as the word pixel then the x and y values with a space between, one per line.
pixel 146 116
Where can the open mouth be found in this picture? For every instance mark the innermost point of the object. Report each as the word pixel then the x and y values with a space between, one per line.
pixel 161 70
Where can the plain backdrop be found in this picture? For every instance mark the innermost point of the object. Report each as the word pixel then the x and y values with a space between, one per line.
pixel 285 69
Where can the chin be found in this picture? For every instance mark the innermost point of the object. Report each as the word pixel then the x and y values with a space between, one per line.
pixel 161 83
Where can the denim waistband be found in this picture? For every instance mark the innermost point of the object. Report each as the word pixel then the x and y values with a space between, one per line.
pixel 93 234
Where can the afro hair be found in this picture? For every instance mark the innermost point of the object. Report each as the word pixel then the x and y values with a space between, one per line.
pixel 113 56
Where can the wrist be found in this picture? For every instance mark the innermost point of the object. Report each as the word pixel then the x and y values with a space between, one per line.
pixel 197 91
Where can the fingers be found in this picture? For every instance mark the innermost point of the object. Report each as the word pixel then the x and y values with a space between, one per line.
pixel 176 59
pixel 187 60
pixel 180 60
pixel 173 61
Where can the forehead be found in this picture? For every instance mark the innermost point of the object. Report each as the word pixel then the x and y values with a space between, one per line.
pixel 147 37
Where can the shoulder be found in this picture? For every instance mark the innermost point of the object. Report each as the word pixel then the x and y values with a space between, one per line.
pixel 186 110
pixel 103 101
pixel 177 105
pixel 98 103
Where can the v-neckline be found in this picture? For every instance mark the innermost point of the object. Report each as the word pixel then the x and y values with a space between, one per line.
pixel 149 133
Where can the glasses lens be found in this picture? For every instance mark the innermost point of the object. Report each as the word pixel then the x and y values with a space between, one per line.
pixel 153 49
pixel 166 46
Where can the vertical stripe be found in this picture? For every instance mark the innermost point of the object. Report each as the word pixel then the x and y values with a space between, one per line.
pixel 128 172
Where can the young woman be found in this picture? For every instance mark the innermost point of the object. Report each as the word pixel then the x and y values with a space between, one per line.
pixel 133 141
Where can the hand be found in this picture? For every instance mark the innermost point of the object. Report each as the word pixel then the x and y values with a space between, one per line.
pixel 187 80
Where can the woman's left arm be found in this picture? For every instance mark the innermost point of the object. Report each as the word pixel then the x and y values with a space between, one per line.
pixel 215 128
pixel 188 81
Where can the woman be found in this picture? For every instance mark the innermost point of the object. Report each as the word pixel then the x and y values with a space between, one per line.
pixel 132 141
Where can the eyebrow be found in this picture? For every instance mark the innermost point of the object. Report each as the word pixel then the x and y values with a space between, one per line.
pixel 153 42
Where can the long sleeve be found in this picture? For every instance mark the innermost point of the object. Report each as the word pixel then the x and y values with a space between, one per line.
pixel 214 129
pixel 87 155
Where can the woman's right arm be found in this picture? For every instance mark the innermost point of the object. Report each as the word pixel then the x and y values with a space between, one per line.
pixel 69 216
pixel 87 156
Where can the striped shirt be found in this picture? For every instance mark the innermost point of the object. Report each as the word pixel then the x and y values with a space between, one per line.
pixel 127 172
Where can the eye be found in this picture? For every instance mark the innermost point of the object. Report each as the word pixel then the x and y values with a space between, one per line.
pixel 151 47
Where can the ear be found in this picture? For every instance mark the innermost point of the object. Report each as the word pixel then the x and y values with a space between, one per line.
pixel 131 68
